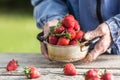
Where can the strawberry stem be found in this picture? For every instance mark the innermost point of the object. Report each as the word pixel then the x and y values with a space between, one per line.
pixel 27 72
pixel 52 28
pixel 59 23
pixel 105 70
pixel 67 35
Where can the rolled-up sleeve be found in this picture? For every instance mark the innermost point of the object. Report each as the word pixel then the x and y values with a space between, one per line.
pixel 114 26
pixel 46 10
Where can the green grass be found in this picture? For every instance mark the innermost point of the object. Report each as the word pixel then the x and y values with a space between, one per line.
pixel 18 33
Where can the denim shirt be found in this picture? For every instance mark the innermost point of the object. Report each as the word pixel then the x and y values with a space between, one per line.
pixel 87 12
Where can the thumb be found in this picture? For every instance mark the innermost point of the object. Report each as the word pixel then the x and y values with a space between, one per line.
pixel 46 27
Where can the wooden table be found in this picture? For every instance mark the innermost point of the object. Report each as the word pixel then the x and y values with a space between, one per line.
pixel 52 70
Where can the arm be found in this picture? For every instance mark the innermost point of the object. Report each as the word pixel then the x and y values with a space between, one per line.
pixel 47 13
pixel 46 10
pixel 114 26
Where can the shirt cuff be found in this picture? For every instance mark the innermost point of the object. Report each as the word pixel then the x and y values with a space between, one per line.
pixel 115 33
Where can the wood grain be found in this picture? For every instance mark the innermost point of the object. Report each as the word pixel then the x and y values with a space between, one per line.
pixel 52 70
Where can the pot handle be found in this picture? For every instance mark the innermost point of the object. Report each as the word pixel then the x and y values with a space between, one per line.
pixel 82 45
pixel 40 37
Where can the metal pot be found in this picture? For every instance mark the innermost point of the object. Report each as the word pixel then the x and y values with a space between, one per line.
pixel 69 53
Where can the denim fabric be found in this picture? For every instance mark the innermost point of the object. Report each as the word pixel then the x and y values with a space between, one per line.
pixel 84 11
pixel 45 10
pixel 114 25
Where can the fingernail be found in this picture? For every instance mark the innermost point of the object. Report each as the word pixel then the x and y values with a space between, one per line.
pixel 86 36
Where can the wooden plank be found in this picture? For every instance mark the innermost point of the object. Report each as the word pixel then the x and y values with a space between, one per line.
pixel 38 60
pixel 48 77
pixel 51 74
pixel 45 77
pixel 44 71
pixel 52 70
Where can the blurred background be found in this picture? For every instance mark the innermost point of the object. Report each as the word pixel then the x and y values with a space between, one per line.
pixel 18 29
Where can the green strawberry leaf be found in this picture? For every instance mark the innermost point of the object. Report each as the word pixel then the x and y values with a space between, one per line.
pixel 52 28
pixel 59 23
pixel 67 35
pixel 27 71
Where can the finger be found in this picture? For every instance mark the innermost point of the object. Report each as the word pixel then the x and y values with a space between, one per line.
pixel 44 50
pixel 46 27
pixel 102 45
pixel 93 34
pixel 98 32
pixel 88 58
pixel 99 49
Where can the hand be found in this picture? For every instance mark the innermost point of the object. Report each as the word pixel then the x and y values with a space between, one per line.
pixel 46 30
pixel 46 27
pixel 104 43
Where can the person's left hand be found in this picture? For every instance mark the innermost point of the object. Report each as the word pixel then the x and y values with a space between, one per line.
pixel 104 43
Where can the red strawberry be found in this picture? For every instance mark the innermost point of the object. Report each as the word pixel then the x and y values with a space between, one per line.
pixel 72 33
pixel 69 69
pixel 93 73
pixel 76 26
pixel 59 30
pixel 53 39
pixel 68 21
pixel 107 76
pixel 31 72
pixel 79 35
pixel 12 65
pixel 73 42
pixel 92 78
pixel 63 41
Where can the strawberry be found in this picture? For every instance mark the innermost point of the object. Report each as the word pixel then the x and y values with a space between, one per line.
pixel 31 72
pixel 59 30
pixel 52 39
pixel 79 35
pixel 68 21
pixel 92 78
pixel 107 76
pixel 71 33
pixel 69 69
pixel 92 73
pixel 73 42
pixel 12 65
pixel 76 26
pixel 63 41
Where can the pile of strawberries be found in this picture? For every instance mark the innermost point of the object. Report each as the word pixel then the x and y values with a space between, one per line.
pixel 66 32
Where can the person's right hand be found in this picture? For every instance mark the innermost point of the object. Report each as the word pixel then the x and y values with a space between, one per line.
pixel 46 30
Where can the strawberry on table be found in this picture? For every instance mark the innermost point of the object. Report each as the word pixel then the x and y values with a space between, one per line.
pixel 92 78
pixel 69 69
pixel 107 76
pixel 31 72
pixel 12 65
pixel 92 74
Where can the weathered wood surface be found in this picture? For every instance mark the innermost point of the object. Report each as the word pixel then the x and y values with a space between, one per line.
pixel 52 70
